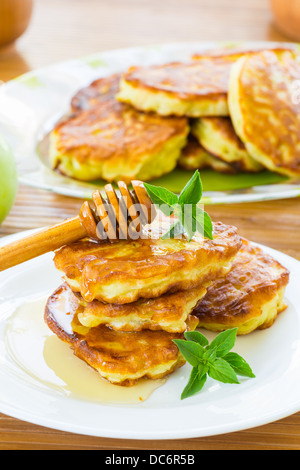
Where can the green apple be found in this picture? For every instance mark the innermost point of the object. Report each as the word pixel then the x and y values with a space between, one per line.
pixel 8 179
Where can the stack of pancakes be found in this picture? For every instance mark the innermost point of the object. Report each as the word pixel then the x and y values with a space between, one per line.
pixel 229 110
pixel 104 138
pixel 123 303
pixel 243 107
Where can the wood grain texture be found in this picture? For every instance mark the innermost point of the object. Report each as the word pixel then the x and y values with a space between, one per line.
pixel 43 241
pixel 18 435
pixel 65 29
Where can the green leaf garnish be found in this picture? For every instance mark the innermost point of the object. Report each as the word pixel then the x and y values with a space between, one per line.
pixel 192 192
pixel 197 337
pixel 196 382
pixel 224 342
pixel 162 197
pixel 190 350
pixel 190 217
pixel 211 359
pixel 221 371
pixel 175 230
pixel 204 223
pixel 239 365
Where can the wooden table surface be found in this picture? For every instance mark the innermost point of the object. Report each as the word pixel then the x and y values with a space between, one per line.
pixel 64 29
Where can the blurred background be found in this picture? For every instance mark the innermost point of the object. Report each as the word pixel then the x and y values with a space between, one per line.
pixel 56 30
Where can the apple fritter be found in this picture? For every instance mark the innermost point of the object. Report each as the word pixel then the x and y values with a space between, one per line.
pixel 120 357
pixel 106 139
pixel 127 270
pixel 250 297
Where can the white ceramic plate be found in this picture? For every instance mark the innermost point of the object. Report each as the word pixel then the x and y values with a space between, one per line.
pixel 274 355
pixel 31 104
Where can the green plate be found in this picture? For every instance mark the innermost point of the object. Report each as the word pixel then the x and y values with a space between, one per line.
pixel 213 181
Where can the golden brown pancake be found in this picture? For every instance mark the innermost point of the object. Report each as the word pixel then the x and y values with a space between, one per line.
pixel 194 89
pixel 168 312
pixel 239 50
pixel 127 270
pixel 107 139
pixel 250 297
pixel 120 357
pixel 265 110
pixel 99 92
pixel 218 137
pixel 195 157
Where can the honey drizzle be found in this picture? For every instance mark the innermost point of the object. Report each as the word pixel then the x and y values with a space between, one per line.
pixel 48 361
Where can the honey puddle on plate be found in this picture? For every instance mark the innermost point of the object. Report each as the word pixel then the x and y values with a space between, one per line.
pixel 46 359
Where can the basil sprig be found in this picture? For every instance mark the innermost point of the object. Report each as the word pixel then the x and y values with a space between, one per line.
pixel 189 217
pixel 211 360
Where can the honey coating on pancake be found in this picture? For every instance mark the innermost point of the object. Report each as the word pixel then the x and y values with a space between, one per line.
pixel 194 89
pixel 107 139
pixel 120 357
pixel 250 297
pixel 127 270
pixel 184 80
pixel 218 137
pixel 265 109
pixel 195 157
pixel 168 312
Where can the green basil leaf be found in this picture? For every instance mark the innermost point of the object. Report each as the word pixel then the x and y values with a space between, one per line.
pixel 191 351
pixel 204 223
pixel 220 370
pixel 184 207
pixel 196 382
pixel 209 355
pixel 192 192
pixel 224 342
pixel 162 197
pixel 197 337
pixel 187 219
pixel 239 365
pixel 175 230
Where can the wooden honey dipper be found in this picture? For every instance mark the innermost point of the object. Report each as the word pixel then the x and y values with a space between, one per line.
pixel 117 216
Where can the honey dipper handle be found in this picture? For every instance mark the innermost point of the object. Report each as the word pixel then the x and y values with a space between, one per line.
pixel 41 242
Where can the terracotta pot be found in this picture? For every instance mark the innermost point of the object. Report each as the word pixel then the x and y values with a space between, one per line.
pixel 287 17
pixel 15 17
